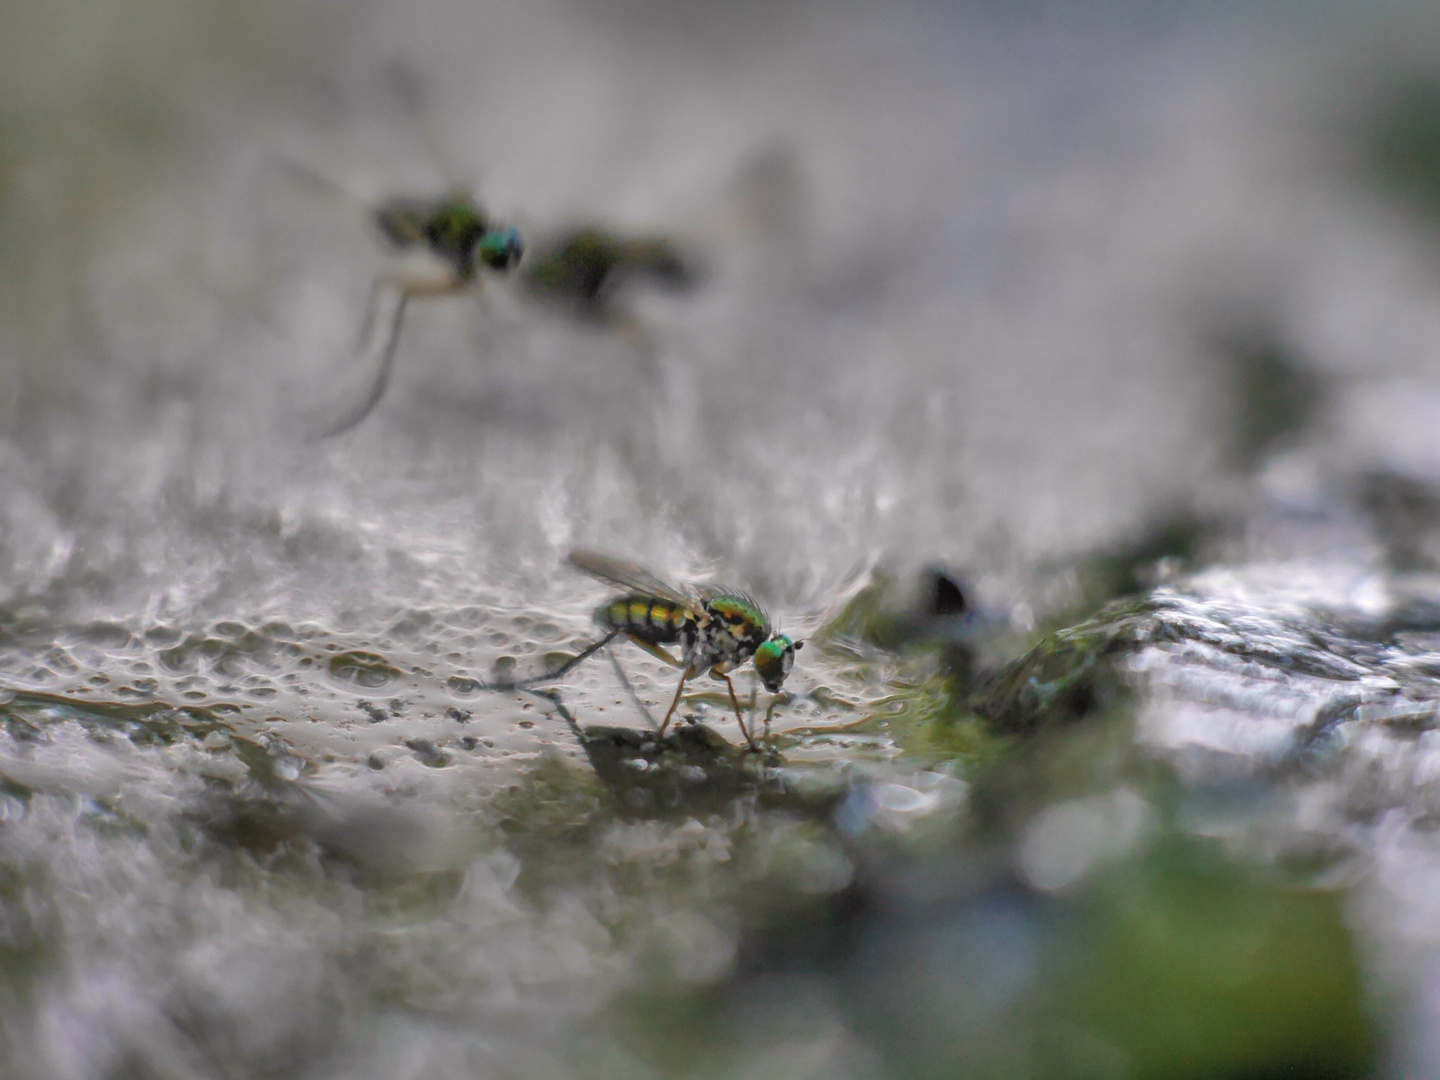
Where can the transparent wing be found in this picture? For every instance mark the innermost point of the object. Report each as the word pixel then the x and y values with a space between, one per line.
pixel 627 575
pixel 412 93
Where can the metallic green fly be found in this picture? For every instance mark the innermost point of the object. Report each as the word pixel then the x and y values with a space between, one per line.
pixel 717 629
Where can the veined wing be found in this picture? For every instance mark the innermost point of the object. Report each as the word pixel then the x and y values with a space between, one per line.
pixel 629 576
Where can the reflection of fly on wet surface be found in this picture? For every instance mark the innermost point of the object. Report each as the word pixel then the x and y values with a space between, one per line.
pixel 716 630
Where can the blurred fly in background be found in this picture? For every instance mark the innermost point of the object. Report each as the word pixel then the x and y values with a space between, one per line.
pixel 453 229
pixel 459 234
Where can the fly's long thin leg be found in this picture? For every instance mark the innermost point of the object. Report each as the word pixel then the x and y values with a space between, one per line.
pixel 660 732
pixel 382 378
pixel 406 286
pixel 735 704
pixel 754 694
pixel 556 673
pixel 625 682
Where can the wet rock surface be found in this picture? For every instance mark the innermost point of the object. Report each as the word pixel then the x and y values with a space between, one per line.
pixel 1065 380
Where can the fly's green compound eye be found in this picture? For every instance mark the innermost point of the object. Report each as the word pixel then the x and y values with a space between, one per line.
pixel 500 249
pixel 774 659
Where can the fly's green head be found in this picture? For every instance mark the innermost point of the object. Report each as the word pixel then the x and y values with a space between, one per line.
pixel 775 658
pixel 500 249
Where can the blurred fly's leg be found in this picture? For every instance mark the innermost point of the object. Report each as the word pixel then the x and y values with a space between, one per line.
pixel 436 283
pixel 769 714
pixel 735 704
pixel 660 732
pixel 382 377
pixel 403 287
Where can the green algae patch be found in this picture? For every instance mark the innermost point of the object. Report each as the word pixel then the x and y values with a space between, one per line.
pixel 1173 963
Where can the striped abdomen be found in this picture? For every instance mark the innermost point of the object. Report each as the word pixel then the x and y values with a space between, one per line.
pixel 646 617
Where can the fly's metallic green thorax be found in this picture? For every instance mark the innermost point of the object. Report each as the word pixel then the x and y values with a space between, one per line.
pixel 454 230
pixel 737 618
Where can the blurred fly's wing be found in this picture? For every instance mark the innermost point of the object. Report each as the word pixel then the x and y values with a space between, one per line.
pixel 633 578
pixel 294 166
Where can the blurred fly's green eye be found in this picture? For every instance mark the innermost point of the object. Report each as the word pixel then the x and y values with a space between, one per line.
pixel 501 249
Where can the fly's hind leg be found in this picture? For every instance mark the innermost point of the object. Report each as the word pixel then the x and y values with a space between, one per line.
pixel 555 673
